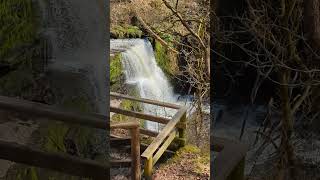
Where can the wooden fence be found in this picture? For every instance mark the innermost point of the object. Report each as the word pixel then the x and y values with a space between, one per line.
pixel 230 161
pixel 56 161
pixel 175 128
pixel 135 146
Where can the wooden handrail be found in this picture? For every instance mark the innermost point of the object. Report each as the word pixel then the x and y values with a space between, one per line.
pixel 165 137
pixel 163 134
pixel 229 164
pixel 55 161
pixel 148 101
pixel 144 116
pixel 125 125
pixel 37 109
pixel 60 162
pixel 139 115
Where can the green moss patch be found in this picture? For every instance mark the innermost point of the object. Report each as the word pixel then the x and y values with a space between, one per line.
pixel 165 60
pixel 18 26
pixel 115 68
pixel 126 31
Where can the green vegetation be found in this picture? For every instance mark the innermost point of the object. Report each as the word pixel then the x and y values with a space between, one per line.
pixel 165 60
pixel 18 26
pixel 115 73
pixel 27 174
pixel 55 133
pixel 19 46
pixel 198 159
pixel 126 31
pixel 115 68
pixel 55 137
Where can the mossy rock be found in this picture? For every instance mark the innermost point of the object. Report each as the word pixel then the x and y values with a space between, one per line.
pixel 165 60
pixel 115 68
pixel 126 31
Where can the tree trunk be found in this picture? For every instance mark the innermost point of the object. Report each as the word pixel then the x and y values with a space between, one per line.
pixel 286 148
pixel 312 22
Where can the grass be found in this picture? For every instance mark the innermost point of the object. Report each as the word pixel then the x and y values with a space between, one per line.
pixel 27 174
pixel 200 159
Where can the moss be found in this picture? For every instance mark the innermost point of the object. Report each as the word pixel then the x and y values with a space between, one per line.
pixel 115 69
pixel 18 26
pixel 20 45
pixel 164 61
pixel 126 31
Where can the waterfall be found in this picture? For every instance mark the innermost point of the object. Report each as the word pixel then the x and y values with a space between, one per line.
pixel 141 70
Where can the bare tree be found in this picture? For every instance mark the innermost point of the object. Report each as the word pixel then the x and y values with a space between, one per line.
pixel 188 21
pixel 278 48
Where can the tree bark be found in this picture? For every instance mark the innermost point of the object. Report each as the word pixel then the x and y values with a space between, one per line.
pixel 312 22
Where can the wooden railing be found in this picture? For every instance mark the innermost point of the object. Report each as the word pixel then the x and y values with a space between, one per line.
pixel 56 161
pixel 230 161
pixel 135 146
pixel 175 125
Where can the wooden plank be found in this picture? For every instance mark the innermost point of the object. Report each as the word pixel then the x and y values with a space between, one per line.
pixel 148 168
pixel 163 134
pixel 125 125
pixel 135 154
pixel 140 115
pixel 230 158
pixel 167 151
pixel 148 101
pixel 163 147
pixel 42 110
pixel 144 116
pixel 183 131
pixel 55 161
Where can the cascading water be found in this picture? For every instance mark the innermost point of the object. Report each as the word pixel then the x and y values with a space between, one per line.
pixel 141 69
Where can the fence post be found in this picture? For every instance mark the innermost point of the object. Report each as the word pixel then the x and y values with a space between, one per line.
pixel 148 168
pixel 135 153
pixel 182 131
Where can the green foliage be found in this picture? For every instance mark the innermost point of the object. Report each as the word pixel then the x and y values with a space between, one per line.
pixel 18 26
pixel 57 131
pixel 27 174
pixel 19 46
pixel 126 31
pixel 55 137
